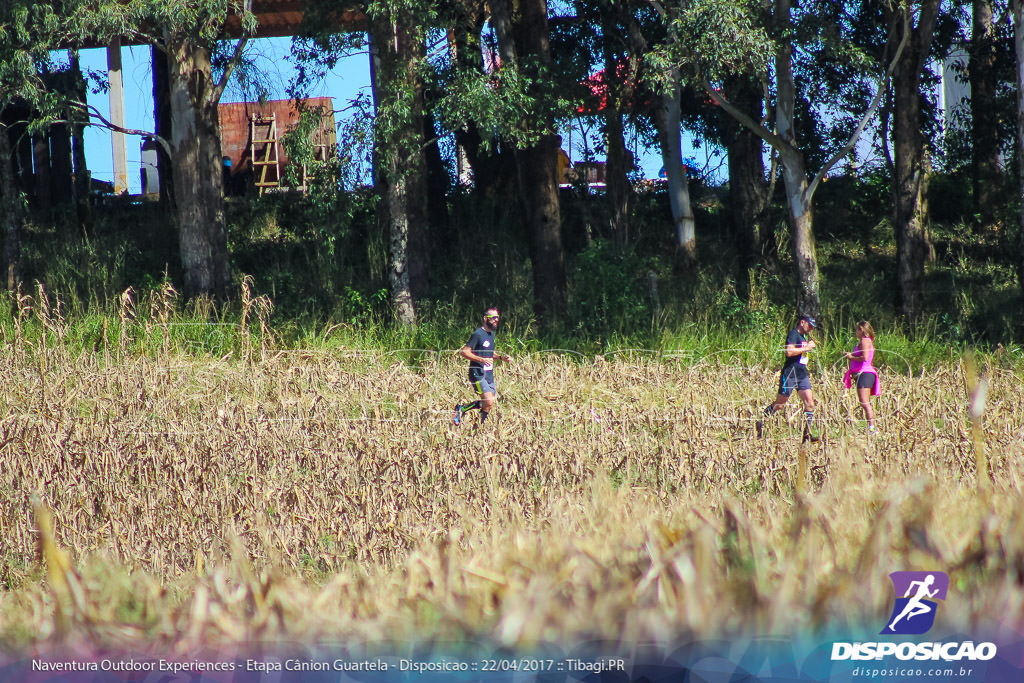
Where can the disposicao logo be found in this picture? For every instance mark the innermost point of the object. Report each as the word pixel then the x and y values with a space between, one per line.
pixel 913 613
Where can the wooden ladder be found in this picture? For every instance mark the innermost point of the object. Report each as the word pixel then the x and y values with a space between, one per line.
pixel 263 151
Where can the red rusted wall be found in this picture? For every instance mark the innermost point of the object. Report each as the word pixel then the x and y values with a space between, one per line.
pixel 234 128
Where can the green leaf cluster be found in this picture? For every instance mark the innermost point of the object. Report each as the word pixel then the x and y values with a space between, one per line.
pixel 509 105
pixel 713 39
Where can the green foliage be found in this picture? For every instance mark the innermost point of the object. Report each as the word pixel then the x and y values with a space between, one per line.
pixel 306 250
pixel 949 197
pixel 321 259
pixel 95 266
pixel 300 147
pixel 355 144
pixel 610 291
pixel 202 20
pixel 713 39
pixel 28 31
pixel 510 106
pixel 361 309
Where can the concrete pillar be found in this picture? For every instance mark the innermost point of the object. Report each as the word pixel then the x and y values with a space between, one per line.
pixel 118 141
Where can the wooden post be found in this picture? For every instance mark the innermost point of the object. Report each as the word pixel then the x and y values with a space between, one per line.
pixel 117 139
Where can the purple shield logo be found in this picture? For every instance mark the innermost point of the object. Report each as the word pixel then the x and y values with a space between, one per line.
pixel 916 594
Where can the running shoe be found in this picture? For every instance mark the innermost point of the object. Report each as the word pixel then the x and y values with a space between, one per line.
pixel 457 414
pixel 809 437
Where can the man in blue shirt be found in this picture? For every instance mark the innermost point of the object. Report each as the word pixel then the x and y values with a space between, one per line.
pixel 795 376
pixel 479 351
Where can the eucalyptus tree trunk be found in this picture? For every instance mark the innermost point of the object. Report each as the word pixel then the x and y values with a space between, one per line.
pixel 1018 43
pixel 666 118
pixel 398 154
pixel 985 175
pixel 910 161
pixel 748 186
pixel 799 189
pixel 412 53
pixel 801 222
pixel 527 40
pixel 494 169
pixel 794 175
pixel 617 189
pixel 396 203
pixel 619 94
pixel 196 166
pixel 11 210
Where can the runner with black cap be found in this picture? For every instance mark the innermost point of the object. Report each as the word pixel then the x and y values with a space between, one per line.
pixel 795 376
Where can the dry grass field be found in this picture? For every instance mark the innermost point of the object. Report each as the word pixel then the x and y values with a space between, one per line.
pixel 176 500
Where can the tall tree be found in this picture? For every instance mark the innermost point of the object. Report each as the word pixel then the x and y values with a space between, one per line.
pixel 25 45
pixel 491 166
pixel 1018 43
pixel 910 152
pixel 720 39
pixel 523 41
pixel 666 112
pixel 191 33
pixel 750 188
pixel 621 47
pixel 985 138
pixel 196 164
pixel 396 41
pixel 403 135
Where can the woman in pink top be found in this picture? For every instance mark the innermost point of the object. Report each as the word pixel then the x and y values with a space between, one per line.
pixel 862 372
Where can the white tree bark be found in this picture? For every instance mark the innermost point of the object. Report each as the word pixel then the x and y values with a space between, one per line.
pixel 667 115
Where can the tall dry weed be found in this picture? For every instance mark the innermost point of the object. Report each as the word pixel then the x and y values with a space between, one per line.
pixel 319 495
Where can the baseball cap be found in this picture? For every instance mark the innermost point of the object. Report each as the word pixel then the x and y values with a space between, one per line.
pixel 810 320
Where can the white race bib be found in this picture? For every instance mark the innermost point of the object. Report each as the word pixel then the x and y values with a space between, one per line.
pixel 803 359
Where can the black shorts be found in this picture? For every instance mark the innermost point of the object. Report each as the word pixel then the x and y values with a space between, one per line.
pixel 794 377
pixel 865 380
pixel 482 381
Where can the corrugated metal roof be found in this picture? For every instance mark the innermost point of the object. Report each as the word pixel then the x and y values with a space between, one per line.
pixel 275 19
pixel 278 18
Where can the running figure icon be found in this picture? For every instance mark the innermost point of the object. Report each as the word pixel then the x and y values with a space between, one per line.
pixel 916 605
pixel 917 597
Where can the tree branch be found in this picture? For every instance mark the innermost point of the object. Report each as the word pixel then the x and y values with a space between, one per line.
pixel 658 7
pixel 925 29
pixel 91 111
pixel 766 93
pixel 236 58
pixel 753 126
pixel 144 38
pixel 875 101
